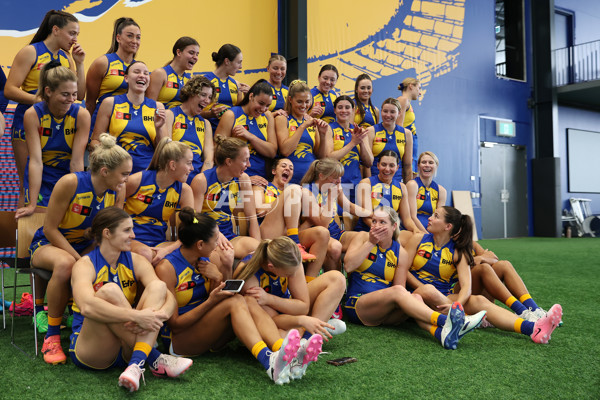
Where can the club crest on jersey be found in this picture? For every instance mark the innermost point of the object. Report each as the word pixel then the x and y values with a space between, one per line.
pixel 186 285
pixel 274 97
pixel 381 140
pixel 213 196
pixel 424 253
pixel 122 115
pixel 81 210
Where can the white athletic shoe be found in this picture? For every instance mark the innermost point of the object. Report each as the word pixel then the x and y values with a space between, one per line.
pixel 170 366
pixel 279 361
pixel 471 322
pixel 130 378
pixel 530 315
pixel 452 327
pixel 339 326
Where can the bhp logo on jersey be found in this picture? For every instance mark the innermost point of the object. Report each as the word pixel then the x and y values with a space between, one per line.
pixel 424 253
pixel 144 198
pixel 45 131
pixel 173 85
pixel 117 72
pixel 81 210
pixel 122 115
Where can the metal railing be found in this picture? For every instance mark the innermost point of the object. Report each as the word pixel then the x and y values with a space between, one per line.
pixel 579 63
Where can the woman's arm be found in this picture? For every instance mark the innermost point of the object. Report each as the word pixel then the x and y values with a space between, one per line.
pixel 366 152
pixel 325 145
pixel 93 82
pixel 198 186
pixel 286 143
pixel 407 173
pixel 412 189
pixel 158 77
pixel 442 197
pixel 31 123
pixel 225 126
pixel 363 194
pixel 358 250
pixel 352 208
pixel 298 304
pixel 76 65
pixel 159 123
pixel 402 268
pixel 266 148
pixel 208 150
pixel 357 137
pixel 102 120
pixel 403 107
pixel 464 278
pixel 315 215
pixel 246 196
pixel 404 211
pixel 169 120
pixel 82 133
pixel 411 251
pixel 16 76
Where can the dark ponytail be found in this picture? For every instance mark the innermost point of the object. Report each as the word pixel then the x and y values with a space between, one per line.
pixel 260 86
pixel 462 233
pixel 194 227
pixel 52 18
pixel 360 108
pixel 120 24
pixel 227 51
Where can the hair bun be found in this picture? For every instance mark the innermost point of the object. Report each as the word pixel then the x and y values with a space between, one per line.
pixel 107 140
pixel 215 56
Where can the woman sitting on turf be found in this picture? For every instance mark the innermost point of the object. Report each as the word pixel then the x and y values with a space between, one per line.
pixel 377 266
pixel 440 272
pixel 275 282
pixel 207 314
pixel 107 329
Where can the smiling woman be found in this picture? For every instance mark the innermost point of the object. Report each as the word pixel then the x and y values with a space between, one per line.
pixel 135 120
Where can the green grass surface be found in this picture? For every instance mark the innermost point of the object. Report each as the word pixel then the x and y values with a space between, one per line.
pixel 403 362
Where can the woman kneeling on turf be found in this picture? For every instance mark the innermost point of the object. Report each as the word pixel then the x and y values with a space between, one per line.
pixel 207 314
pixel 108 327
pixel 377 266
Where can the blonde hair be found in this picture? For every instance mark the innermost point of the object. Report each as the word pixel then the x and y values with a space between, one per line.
pixel 296 87
pixel 53 74
pixel 325 166
pixel 227 147
pixel 282 252
pixel 276 57
pixel 393 216
pixel 392 101
pixel 167 150
pixel 407 82
pixel 108 154
pixel 432 155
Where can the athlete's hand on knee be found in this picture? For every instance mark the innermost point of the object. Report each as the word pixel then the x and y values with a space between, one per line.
pixel 315 325
pixel 150 320
pixel 262 297
pixel 24 211
pixel 134 328
pixel 223 242
pixel 444 308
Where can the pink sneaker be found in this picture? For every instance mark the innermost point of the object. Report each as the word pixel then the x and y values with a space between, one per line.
pixel 52 351
pixel 130 378
pixel 170 366
pixel 306 256
pixel 308 352
pixel 545 326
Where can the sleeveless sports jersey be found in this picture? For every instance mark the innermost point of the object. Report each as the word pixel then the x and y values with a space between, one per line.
pixel 382 194
pixel 134 128
pixel 220 200
pixel 82 209
pixel 335 232
pixel 369 118
pixel 385 140
pixel 191 289
pixel 191 132
pixel 3 99
pixel 56 137
pixel 326 101
pixel 30 84
pixel 123 275
pixel 151 208
pixel 409 123
pixel 376 271
pixel 427 198
pixel 435 265
pixel 226 94
pixel 351 161
pixel 304 154
pixel 257 127
pixel 279 96
pixel 169 93
pixel 271 194
pixel 273 284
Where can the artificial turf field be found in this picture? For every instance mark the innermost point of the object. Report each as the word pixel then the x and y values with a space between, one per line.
pixel 401 362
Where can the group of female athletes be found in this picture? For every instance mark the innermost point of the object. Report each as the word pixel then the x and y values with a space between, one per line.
pixel 165 185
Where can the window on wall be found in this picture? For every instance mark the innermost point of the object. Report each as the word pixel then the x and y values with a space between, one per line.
pixel 510 39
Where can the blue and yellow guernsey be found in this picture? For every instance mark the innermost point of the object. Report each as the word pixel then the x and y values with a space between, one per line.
pixel 226 94
pixel 382 194
pixel 385 140
pixel 304 154
pixel 334 228
pixel 257 127
pixel 113 83
pixel 169 93
pixel 134 128
pixel 191 289
pixel 376 271
pixel 273 284
pixel 279 96
pixel 435 265
pixel 427 198
pixel 31 82
pixel 369 118
pixel 151 208
pixel 351 161
pixel 56 137
pixel 220 201
pixel 409 123
pixel 326 101
pixel 190 131
pixel 82 209
pixel 123 275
